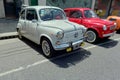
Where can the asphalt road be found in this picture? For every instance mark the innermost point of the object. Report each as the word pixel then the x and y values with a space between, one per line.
pixel 8 25
pixel 22 60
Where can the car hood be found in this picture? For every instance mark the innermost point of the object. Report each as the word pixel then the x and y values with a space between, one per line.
pixel 114 17
pixel 99 21
pixel 64 25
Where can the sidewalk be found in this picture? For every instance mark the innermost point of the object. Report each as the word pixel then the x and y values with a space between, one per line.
pixel 8 28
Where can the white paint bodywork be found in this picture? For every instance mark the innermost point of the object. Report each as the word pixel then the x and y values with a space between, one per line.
pixel 49 29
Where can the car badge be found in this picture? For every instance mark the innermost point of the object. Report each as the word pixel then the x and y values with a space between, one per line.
pixel 76 34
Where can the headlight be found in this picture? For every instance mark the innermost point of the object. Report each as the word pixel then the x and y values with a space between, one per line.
pixel 60 35
pixel 104 27
pixel 115 25
pixel 84 30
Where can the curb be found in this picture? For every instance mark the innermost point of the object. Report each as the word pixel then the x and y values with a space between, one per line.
pixel 8 35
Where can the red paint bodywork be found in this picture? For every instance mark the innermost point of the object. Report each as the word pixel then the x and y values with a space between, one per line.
pixel 95 24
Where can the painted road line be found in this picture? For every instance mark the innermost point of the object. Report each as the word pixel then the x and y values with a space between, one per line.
pixel 11 71
pixel 37 63
pixel 93 46
pixel 46 60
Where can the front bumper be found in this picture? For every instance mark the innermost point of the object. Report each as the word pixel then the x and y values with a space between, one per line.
pixel 110 34
pixel 74 45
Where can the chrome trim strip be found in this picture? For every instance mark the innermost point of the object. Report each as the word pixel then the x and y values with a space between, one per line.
pixel 110 34
pixel 66 45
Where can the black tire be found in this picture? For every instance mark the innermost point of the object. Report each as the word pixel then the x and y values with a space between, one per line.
pixel 106 38
pixel 92 36
pixel 19 34
pixel 47 48
pixel 118 31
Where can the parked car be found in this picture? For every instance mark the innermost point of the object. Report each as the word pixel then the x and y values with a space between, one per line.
pixel 116 19
pixel 96 28
pixel 48 26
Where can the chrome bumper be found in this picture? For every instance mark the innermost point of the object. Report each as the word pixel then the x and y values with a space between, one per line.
pixel 110 34
pixel 66 45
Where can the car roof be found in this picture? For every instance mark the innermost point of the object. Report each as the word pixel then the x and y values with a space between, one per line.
pixel 41 7
pixel 77 8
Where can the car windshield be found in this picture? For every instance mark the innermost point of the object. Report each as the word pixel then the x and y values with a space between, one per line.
pixel 51 14
pixel 90 14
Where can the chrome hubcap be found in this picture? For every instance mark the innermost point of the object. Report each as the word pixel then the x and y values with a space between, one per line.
pixel 45 48
pixel 91 36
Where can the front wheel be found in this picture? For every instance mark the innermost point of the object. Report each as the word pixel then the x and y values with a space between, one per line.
pixel 47 48
pixel 91 36
pixel 118 31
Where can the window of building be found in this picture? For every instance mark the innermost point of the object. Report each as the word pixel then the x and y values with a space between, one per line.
pixel 33 2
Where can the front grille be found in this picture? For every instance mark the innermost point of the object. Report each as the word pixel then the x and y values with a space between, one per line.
pixel 112 19
pixel 112 27
pixel 72 36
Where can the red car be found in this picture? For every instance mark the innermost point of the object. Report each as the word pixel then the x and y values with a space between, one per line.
pixel 96 28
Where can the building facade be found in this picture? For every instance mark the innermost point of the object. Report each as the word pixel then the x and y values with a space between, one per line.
pixel 69 3
pixel 11 8
pixel 108 7
pixel 2 12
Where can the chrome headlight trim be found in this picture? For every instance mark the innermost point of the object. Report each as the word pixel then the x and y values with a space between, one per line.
pixel 104 27
pixel 115 24
pixel 84 30
pixel 60 35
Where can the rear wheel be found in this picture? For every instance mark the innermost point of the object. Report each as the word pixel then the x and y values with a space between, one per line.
pixel 47 48
pixel 91 36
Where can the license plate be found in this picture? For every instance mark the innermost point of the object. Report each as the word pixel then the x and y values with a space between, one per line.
pixel 82 44
pixel 69 49
pixel 76 46
pixel 112 27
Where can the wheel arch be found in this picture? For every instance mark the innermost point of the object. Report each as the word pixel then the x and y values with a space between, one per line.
pixel 44 36
pixel 18 26
pixel 94 33
pixel 95 30
pixel 50 45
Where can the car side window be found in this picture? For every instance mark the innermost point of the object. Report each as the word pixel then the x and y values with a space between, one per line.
pixel 31 14
pixel 75 14
pixel 23 14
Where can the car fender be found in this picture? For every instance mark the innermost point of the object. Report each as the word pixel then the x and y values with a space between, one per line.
pixel 19 26
pixel 46 36
pixel 95 29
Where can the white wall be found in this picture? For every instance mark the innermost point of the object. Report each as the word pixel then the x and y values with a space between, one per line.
pixel 93 4
pixel 42 2
pixel 26 2
pixel 70 3
pixel 2 12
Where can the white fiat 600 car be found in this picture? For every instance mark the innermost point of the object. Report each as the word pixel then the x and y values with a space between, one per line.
pixel 48 26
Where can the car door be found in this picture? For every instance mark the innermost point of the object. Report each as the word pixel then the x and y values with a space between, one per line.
pixel 32 24
pixel 22 22
pixel 75 16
